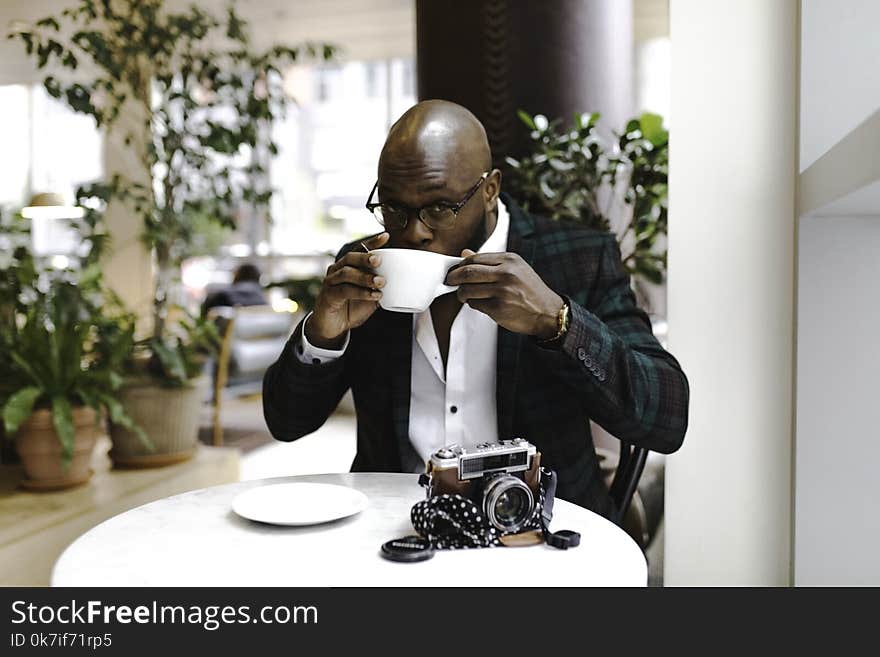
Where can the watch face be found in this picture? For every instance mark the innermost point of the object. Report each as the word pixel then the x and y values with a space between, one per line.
pixel 562 325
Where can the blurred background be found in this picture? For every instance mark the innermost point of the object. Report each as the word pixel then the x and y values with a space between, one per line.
pixel 176 178
pixel 328 142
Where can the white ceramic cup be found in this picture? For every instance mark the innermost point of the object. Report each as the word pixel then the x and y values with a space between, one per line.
pixel 413 278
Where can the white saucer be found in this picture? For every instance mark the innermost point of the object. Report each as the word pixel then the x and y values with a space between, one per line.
pixel 299 503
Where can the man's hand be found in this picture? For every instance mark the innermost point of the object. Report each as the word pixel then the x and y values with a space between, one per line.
pixel 349 295
pixel 507 289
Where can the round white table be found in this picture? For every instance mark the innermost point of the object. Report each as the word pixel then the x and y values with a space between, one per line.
pixel 196 539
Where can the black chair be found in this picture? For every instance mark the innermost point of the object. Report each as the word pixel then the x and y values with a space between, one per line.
pixel 626 478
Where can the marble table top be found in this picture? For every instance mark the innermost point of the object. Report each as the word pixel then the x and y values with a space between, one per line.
pixel 195 539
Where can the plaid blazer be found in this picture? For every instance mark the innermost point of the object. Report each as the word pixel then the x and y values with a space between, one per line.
pixel 610 369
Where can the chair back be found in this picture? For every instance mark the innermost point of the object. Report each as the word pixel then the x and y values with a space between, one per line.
pixel 626 478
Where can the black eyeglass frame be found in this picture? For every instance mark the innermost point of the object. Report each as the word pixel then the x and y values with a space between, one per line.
pixel 455 207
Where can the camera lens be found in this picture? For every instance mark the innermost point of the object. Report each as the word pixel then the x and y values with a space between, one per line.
pixel 510 506
pixel 508 503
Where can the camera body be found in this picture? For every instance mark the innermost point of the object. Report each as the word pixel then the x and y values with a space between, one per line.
pixel 502 479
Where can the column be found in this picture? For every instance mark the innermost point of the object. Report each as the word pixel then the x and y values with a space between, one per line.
pixel 732 240
pixel 556 58
pixel 128 269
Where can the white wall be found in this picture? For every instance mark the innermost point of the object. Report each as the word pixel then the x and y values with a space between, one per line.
pixel 840 85
pixel 731 286
pixel 837 523
pixel 837 528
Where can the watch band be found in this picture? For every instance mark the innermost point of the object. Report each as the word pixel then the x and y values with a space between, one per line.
pixel 563 319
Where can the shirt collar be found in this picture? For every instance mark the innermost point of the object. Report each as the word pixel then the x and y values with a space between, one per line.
pixel 424 328
pixel 497 241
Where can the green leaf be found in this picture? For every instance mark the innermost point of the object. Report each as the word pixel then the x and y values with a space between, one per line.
pixel 115 381
pixel 62 418
pixel 19 407
pixel 560 165
pixel 90 276
pixel 52 86
pixel 527 119
pixel 23 364
pixel 49 22
pixel 585 120
pixel 171 360
pixel 546 190
pixel 652 128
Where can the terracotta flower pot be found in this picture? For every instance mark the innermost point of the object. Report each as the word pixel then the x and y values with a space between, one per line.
pixel 39 448
pixel 169 417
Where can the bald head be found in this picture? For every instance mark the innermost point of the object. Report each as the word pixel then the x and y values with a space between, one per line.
pixel 437 154
pixel 438 131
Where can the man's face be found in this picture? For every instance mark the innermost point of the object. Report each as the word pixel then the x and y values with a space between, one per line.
pixel 417 187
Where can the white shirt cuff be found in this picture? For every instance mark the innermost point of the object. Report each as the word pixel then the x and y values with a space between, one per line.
pixel 309 354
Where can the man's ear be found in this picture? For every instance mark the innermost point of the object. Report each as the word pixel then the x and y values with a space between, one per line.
pixel 491 190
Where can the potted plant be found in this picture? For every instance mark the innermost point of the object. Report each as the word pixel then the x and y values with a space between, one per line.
pixel 64 339
pixel 207 103
pixel 576 175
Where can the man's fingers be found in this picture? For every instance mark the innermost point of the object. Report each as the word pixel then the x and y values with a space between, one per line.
pixel 377 241
pixel 485 258
pixel 349 292
pixel 360 277
pixel 472 273
pixel 359 259
pixel 485 306
pixel 477 291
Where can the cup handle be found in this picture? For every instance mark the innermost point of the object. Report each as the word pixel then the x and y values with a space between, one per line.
pixel 443 288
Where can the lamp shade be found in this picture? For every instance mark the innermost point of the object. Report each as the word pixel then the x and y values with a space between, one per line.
pixel 51 205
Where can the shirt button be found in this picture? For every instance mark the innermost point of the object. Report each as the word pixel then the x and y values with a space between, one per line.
pixel 453 409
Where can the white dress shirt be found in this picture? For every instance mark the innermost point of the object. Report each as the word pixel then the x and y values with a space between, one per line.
pixel 457 406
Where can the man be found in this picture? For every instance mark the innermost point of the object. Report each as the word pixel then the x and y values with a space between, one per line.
pixel 244 291
pixel 542 335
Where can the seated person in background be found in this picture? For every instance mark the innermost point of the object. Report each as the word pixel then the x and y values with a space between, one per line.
pixel 542 335
pixel 244 291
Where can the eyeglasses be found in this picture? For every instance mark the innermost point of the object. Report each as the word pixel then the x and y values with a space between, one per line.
pixel 436 216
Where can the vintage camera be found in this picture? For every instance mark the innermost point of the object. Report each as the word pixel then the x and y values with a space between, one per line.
pixel 501 478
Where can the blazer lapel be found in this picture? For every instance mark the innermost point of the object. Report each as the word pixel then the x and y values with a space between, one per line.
pixel 510 344
pixel 400 363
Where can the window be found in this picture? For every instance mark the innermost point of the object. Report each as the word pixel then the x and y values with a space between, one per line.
pixel 329 147
pixel 47 148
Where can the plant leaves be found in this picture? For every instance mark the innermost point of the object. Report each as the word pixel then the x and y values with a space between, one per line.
pixel 19 407
pixel 171 360
pixel 120 417
pixel 62 418
pixel 560 165
pixel 23 364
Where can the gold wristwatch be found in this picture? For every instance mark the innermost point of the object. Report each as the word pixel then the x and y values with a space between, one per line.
pixel 563 319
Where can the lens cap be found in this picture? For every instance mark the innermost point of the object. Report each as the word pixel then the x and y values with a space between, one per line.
pixel 564 539
pixel 407 549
